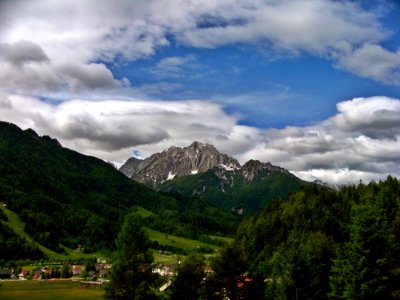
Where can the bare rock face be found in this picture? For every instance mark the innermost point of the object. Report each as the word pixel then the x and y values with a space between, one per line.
pixel 176 162
pixel 131 166
pixel 254 168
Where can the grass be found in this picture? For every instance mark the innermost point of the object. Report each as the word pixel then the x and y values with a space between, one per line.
pixel 18 226
pixel 176 241
pixel 167 259
pixel 143 212
pixel 224 239
pixel 47 290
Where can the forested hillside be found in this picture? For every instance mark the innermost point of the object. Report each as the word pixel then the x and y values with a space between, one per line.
pixel 21 249
pixel 319 244
pixel 232 190
pixel 73 199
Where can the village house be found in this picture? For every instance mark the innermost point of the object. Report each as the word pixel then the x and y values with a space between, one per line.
pixel 164 270
pixel 76 269
pixel 22 275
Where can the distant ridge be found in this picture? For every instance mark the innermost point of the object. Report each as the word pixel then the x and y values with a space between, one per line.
pixel 200 170
pixel 176 162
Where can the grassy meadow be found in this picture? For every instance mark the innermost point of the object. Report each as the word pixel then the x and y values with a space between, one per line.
pixel 47 290
pixel 176 241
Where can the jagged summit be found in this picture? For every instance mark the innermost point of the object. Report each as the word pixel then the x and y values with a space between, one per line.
pixel 200 170
pixel 253 168
pixel 176 162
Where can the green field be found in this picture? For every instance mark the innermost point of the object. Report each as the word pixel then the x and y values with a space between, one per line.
pixel 47 290
pixel 176 241
pixel 143 212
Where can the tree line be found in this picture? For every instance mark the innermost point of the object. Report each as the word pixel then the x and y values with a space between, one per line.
pixel 314 244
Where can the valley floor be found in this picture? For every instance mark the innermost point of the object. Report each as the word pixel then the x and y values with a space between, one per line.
pixel 47 290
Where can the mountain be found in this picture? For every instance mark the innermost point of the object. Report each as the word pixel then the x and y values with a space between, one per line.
pixel 68 198
pixel 201 171
pixel 176 162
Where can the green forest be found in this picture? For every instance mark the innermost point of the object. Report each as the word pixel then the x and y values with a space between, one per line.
pixel 317 243
pixel 68 199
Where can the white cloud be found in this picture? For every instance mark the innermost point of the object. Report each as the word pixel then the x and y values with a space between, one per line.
pixel 21 52
pixel 373 61
pixel 379 116
pixel 182 67
pixel 24 66
pixel 87 76
pixel 337 150
pixel 360 142
pixel 110 129
pixel 120 31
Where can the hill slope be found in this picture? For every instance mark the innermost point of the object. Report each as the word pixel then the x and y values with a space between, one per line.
pixel 65 197
pixel 321 244
pixel 245 190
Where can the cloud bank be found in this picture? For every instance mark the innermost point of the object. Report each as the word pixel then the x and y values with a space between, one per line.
pixel 120 31
pixel 345 148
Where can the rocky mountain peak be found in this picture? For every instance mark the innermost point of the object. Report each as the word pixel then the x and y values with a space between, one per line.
pixel 176 162
pixel 131 166
pixel 253 167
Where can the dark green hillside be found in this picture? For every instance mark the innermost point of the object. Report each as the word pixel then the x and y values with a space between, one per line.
pixel 233 191
pixel 21 249
pixel 65 197
pixel 320 244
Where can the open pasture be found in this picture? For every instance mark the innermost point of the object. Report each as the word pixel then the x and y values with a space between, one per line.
pixel 47 290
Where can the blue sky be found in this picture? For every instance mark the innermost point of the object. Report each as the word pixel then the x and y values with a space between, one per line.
pixel 299 83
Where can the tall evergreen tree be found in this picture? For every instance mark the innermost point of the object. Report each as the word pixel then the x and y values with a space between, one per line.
pixel 131 276
pixel 364 267
pixel 187 282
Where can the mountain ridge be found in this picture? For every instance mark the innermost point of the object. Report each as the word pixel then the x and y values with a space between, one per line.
pixel 177 162
pixel 196 158
pixel 199 170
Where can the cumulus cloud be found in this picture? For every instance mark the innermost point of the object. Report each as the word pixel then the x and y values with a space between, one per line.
pixel 87 76
pixel 22 52
pixel 337 150
pixel 373 61
pixel 360 142
pixel 121 31
pixel 24 66
pixel 111 129
pixel 379 116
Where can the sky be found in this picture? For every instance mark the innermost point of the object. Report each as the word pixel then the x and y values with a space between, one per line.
pixel 310 85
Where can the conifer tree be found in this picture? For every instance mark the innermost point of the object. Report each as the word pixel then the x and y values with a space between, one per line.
pixel 131 277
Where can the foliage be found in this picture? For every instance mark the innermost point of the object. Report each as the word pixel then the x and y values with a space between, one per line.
pixel 188 281
pixel 68 199
pixel 131 277
pixel 21 249
pixel 238 192
pixel 320 244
